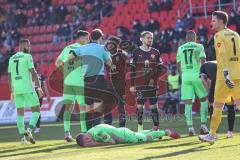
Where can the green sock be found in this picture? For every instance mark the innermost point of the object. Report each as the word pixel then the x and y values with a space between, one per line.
pixel 83 121
pixel 203 111
pixel 188 114
pixel 157 134
pixel 66 121
pixel 34 119
pixel 20 126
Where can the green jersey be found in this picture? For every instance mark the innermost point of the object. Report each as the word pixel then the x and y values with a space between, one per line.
pixel 19 68
pixel 104 132
pixel 189 55
pixel 72 69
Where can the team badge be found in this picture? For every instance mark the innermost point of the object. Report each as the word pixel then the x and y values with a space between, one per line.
pixel 152 56
pixel 218 45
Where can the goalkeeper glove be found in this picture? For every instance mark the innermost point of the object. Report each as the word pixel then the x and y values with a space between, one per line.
pixel 228 82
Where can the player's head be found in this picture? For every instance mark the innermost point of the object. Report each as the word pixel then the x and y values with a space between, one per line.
pixel 24 45
pixel 219 20
pixel 96 35
pixel 82 37
pixel 84 139
pixel 112 44
pixel 115 39
pixel 146 38
pixel 191 36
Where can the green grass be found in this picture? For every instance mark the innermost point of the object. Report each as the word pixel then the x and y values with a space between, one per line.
pixel 51 146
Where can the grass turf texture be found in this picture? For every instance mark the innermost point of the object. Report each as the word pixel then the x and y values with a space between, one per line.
pixel 50 145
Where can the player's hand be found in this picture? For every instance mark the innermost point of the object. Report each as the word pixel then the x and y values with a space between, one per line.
pixel 12 97
pixel 40 92
pixel 132 89
pixel 228 82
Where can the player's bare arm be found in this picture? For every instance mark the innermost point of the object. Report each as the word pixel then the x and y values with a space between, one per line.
pixel 36 81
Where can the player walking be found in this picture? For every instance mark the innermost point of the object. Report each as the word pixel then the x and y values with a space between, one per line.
pixel 21 69
pixel 190 56
pixel 208 71
pixel 227 46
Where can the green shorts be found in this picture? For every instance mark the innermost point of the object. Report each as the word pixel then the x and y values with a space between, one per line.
pixel 190 88
pixel 72 94
pixel 133 137
pixel 26 100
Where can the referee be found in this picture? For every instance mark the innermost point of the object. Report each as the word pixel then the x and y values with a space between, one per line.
pixel 94 58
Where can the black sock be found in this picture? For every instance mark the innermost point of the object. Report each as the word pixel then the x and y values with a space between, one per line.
pixel 231 117
pixel 89 120
pixel 96 118
pixel 210 111
pixel 122 115
pixel 38 122
pixel 108 118
pixel 155 116
pixel 140 116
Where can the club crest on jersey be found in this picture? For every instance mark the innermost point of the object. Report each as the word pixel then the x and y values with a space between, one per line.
pixel 117 58
pixel 218 45
pixel 152 56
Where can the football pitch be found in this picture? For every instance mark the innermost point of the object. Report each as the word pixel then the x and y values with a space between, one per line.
pixel 50 145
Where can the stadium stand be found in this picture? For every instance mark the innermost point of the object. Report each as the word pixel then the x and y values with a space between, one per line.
pixel 50 24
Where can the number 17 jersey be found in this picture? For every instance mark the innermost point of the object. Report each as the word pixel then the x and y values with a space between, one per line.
pixel 189 55
pixel 18 67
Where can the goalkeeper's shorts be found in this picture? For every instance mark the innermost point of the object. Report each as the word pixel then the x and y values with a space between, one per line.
pixel 223 94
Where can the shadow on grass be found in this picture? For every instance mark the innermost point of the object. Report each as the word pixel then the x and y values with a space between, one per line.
pixel 46 150
pixel 186 151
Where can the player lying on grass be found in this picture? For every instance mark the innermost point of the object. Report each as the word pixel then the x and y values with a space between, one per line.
pixel 104 134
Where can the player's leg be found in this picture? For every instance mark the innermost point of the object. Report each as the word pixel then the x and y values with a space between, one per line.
pixel 231 119
pixel 37 129
pixel 79 96
pixel 221 94
pixel 187 94
pixel 19 102
pixel 152 94
pixel 121 112
pixel 31 100
pixel 211 97
pixel 140 103
pixel 201 92
pixel 68 101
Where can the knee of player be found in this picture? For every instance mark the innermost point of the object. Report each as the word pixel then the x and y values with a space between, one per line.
pixel 188 101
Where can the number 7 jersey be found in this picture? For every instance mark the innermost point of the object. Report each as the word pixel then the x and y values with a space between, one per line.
pixel 19 68
pixel 189 56
pixel 227 46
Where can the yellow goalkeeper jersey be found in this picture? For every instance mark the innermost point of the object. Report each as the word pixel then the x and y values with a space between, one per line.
pixel 227 46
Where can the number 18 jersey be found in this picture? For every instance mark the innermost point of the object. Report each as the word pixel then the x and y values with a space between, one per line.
pixel 189 55
pixel 227 46
pixel 18 67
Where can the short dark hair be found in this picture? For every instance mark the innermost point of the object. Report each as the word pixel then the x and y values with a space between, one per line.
pixel 23 40
pixel 96 34
pixel 221 15
pixel 82 33
pixel 114 39
pixel 144 33
pixel 79 139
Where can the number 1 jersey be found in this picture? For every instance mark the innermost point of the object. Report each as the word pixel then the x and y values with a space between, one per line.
pixel 227 46
pixel 18 67
pixel 189 55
